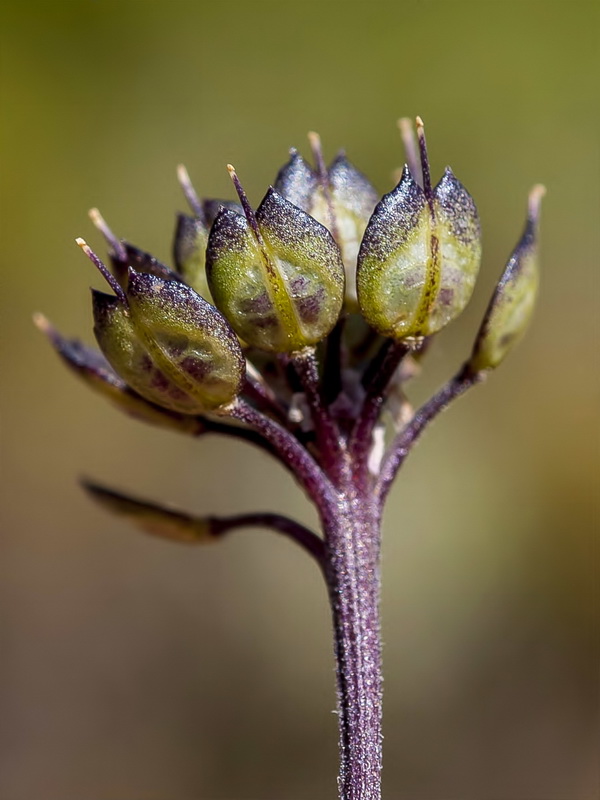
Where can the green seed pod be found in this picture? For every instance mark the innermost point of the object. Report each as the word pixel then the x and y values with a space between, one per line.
pixel 152 518
pixel 344 204
pixel 166 342
pixel 187 339
pixel 419 260
pixel 297 182
pixel 121 345
pixel 191 237
pixel 340 197
pixel 277 276
pixel 510 309
pixel 420 255
pixel 95 371
pixel 189 253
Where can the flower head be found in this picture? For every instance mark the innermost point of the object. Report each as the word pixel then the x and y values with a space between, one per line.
pixel 321 263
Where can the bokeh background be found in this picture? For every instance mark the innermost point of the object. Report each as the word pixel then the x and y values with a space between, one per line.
pixel 135 670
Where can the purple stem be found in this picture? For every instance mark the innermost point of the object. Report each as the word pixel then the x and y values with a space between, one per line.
pixel 235 432
pixel 376 381
pixel 352 536
pixel 350 514
pixel 408 436
pixel 351 525
pixel 350 522
pixel 290 452
pixel 328 435
pixel 276 522
pixel 262 395
pixel 333 362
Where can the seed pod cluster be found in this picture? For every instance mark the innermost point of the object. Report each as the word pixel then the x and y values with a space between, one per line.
pixel 320 247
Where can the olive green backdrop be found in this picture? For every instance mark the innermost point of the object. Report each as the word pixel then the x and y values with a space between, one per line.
pixel 135 670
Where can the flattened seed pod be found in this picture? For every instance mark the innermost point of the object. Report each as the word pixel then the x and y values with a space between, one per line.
pixel 513 301
pixel 93 368
pixel 420 254
pixel 118 339
pixel 297 182
pixel 166 342
pixel 277 276
pixel 187 339
pixel 340 197
pixel 419 258
pixel 350 202
pixel 189 245
pixel 189 253
pixel 393 260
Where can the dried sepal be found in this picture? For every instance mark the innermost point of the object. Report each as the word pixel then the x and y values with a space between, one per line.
pixel 93 368
pixel 152 518
pixel 86 362
pixel 419 257
pixel 277 275
pixel 510 309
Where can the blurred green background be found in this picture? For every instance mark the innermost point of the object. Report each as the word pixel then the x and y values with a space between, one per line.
pixel 135 669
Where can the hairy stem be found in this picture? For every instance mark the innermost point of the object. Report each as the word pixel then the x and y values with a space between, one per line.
pixel 328 435
pixel 408 436
pixel 352 571
pixel 262 395
pixel 275 522
pixel 289 451
pixel 376 380
pixel 333 362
